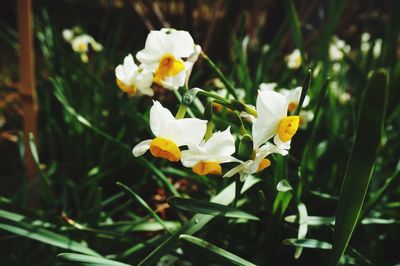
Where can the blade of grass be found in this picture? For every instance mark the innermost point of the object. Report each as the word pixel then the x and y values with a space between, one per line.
pixel 17 224
pixel 361 162
pixel 87 260
pixel 138 199
pixel 307 243
pixel 198 221
pixel 296 27
pixel 208 249
pixel 210 208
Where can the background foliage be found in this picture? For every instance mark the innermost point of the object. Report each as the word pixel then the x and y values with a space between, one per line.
pixel 87 128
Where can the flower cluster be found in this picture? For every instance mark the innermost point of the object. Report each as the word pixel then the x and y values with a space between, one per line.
pixel 167 60
pixel 80 42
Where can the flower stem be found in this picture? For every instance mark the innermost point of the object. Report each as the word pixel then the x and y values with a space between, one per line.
pixel 181 111
pixel 228 84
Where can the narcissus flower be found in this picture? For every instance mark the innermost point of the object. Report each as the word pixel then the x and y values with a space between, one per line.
pixel 293 97
pixel 170 133
pixel 132 79
pixel 294 59
pixel 164 53
pixel 272 120
pixel 207 157
pixel 258 163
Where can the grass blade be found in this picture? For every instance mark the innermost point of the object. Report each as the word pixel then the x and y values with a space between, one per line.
pixel 217 253
pixel 87 260
pixel 307 243
pixel 137 198
pixel 210 208
pixel 198 221
pixel 361 162
pixel 296 26
pixel 17 224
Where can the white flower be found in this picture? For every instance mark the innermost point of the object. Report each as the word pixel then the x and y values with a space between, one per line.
pixel 164 53
pixel 376 51
pixel 67 34
pixel 293 97
pixel 131 78
pixel 170 133
pixel 80 44
pixel 268 86
pixel 206 158
pixel 294 59
pixel 258 163
pixel 337 49
pixel 305 117
pixel 272 120
pixel 365 37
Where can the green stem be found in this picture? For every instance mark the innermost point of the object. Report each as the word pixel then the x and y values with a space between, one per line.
pixel 181 111
pixel 208 131
pixel 228 84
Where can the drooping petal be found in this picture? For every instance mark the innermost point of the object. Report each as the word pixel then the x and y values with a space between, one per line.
pixel 141 148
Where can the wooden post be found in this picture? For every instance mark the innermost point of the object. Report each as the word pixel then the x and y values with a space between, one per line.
pixel 27 85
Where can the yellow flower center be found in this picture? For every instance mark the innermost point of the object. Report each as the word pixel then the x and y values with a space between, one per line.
pixel 165 148
pixel 82 47
pixel 207 168
pixel 288 127
pixel 168 66
pixel 131 90
pixel 292 107
pixel 263 164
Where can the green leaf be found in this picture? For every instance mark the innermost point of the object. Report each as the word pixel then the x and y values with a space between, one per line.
pixel 217 253
pixel 303 227
pixel 307 243
pixel 87 260
pixel 137 198
pixel 304 90
pixel 210 208
pixel 296 26
pixel 17 224
pixel 198 221
pixel 361 162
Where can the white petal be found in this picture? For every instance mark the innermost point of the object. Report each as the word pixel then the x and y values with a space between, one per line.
pixel 174 82
pixel 283 146
pixel 141 148
pixel 187 131
pixel 183 44
pixel 143 82
pixel 120 74
pixel 161 119
pixel 268 86
pixel 234 170
pixel 271 108
pixel 221 144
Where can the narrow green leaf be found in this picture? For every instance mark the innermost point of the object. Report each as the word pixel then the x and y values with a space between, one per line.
pixel 137 198
pixel 198 221
pixel 296 26
pixel 303 228
pixel 17 224
pixel 87 260
pixel 210 208
pixel 219 254
pixel 361 162
pixel 304 90
pixel 307 243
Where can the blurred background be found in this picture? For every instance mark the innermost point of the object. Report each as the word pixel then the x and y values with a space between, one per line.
pixel 86 126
